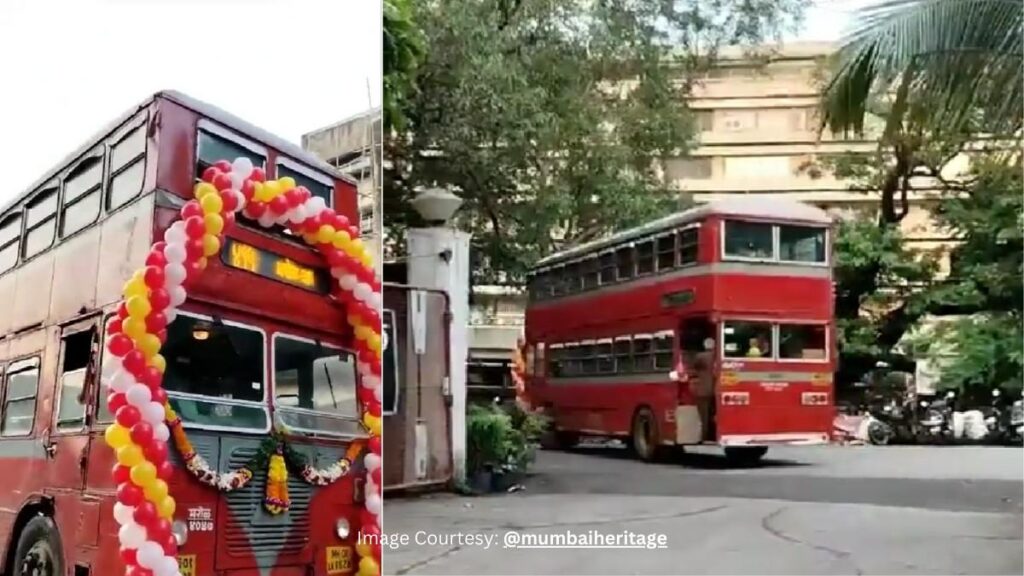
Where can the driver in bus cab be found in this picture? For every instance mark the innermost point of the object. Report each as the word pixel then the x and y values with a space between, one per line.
pixel 703 385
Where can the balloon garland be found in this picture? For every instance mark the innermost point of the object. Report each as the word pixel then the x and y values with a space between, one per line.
pixel 139 435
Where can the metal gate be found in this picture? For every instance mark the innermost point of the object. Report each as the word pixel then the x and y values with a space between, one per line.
pixel 417 399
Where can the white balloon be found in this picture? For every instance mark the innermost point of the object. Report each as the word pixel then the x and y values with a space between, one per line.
pixel 149 554
pixel 372 462
pixel 315 205
pixel 111 366
pixel 174 275
pixel 376 301
pixel 170 313
pixel 124 514
pixel 298 214
pixel 241 200
pixel 372 382
pixel 373 503
pixel 175 252
pixel 362 291
pixel 167 567
pixel 131 535
pixel 237 179
pixel 176 233
pixel 267 220
pixel 153 413
pixel 371 488
pixel 121 381
pixel 243 166
pixel 348 281
pixel 378 393
pixel 178 296
pixel 138 395
pixel 161 432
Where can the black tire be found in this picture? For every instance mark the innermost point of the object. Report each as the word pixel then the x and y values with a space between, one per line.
pixel 39 551
pixel 644 439
pixel 745 455
pixel 559 440
pixel 879 434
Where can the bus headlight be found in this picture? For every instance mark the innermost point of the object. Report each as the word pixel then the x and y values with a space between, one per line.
pixel 342 528
pixel 180 531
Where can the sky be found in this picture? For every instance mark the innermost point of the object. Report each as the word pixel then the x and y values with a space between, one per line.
pixel 68 67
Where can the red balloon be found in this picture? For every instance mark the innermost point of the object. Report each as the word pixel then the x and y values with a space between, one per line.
pixel 210 173
pixel 156 451
pixel 192 272
pixel 162 335
pixel 151 377
pixel 230 200
pixel 373 408
pixel 138 571
pixel 195 227
pixel 258 175
pixel 116 401
pixel 374 444
pixel 255 209
pixel 120 345
pixel 223 165
pixel 191 209
pixel 279 205
pixel 367 518
pixel 194 249
pixel 128 556
pixel 134 362
pixel 156 257
pixel 353 232
pixel 122 310
pixel 160 528
pixel 371 532
pixel 155 322
pixel 248 190
pixel 169 544
pixel 114 327
pixel 122 474
pixel 293 197
pixel 159 299
pixel 366 396
pixel 222 182
pixel 142 433
pixel 375 475
pixel 165 470
pixel 159 395
pixel 145 514
pixel 129 494
pixel 153 277
pixel 128 416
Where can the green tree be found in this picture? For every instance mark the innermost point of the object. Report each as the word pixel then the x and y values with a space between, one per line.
pixel 551 118
pixel 403 49
pixel 958 61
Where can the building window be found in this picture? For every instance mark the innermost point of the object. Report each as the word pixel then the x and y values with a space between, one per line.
pixel 801 244
pixel 747 340
pixel 687 169
pixel 366 220
pixel 78 351
pixel 704 119
pixel 10 242
pixel 802 342
pixel 40 222
pixel 82 196
pixel 127 168
pixel 666 252
pixel 688 242
pixel 758 167
pixel 749 240
pixel 21 388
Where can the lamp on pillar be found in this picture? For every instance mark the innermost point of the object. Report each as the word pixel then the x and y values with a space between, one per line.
pixel 436 206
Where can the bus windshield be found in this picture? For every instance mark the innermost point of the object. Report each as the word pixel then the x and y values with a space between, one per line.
pixel 315 386
pixel 215 373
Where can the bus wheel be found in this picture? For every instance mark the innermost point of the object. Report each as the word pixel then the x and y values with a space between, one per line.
pixel 39 551
pixel 644 435
pixel 745 456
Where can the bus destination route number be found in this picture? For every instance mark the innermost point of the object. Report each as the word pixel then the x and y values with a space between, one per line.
pixel 339 559
pixel 187 565
pixel 680 298
pixel 252 259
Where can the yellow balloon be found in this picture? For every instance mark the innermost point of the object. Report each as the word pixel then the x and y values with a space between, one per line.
pixel 270 191
pixel 367 259
pixel 134 287
pixel 211 203
pixel 129 455
pixel 156 491
pixel 143 474
pixel 286 183
pixel 355 321
pixel 158 362
pixel 325 234
pixel 204 189
pixel 341 240
pixel 117 436
pixel 211 245
pixel 214 224
pixel 373 342
pixel 368 566
pixel 134 327
pixel 363 548
pixel 259 191
pixel 372 423
pixel 166 507
pixel 138 307
pixel 362 332
pixel 149 345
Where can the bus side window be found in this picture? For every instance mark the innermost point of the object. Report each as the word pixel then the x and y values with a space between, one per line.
pixel 21 386
pixel 77 366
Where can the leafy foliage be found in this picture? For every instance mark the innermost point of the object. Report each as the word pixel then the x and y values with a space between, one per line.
pixel 403 47
pixel 501 438
pixel 551 118
pixel 958 61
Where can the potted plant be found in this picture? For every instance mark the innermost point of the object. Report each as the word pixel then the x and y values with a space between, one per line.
pixel 487 432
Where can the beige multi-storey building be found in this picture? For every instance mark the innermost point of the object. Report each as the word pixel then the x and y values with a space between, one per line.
pixel 353 146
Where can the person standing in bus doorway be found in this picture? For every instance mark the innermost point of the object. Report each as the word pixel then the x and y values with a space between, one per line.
pixel 703 387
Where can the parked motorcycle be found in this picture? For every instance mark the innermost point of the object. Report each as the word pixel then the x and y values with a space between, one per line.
pixel 936 424
pixel 1015 429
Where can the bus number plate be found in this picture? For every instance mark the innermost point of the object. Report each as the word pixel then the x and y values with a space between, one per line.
pixel 187 565
pixel 339 560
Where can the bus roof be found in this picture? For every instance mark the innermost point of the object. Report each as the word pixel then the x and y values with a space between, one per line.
pixel 768 207
pixel 214 113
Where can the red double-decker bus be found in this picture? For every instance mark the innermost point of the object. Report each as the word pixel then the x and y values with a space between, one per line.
pixel 260 342
pixel 714 325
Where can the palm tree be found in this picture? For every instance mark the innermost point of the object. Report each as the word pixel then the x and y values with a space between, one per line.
pixel 949 62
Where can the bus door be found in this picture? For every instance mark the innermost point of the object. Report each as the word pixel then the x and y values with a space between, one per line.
pixel 697 349
pixel 76 377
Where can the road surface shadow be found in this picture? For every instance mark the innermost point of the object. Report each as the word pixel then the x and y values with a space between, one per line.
pixel 681 457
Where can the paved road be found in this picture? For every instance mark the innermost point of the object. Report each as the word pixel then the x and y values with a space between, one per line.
pixel 829 510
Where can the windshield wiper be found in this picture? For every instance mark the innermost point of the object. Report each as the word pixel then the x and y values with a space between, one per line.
pixel 327 373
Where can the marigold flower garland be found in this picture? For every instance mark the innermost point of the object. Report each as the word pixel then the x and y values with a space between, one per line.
pixel 134 374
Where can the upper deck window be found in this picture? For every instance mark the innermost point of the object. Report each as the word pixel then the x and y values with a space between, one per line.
pixel 40 222
pixel 212 148
pixel 801 244
pixel 127 168
pixel 317 187
pixel 10 237
pixel 749 240
pixel 82 196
